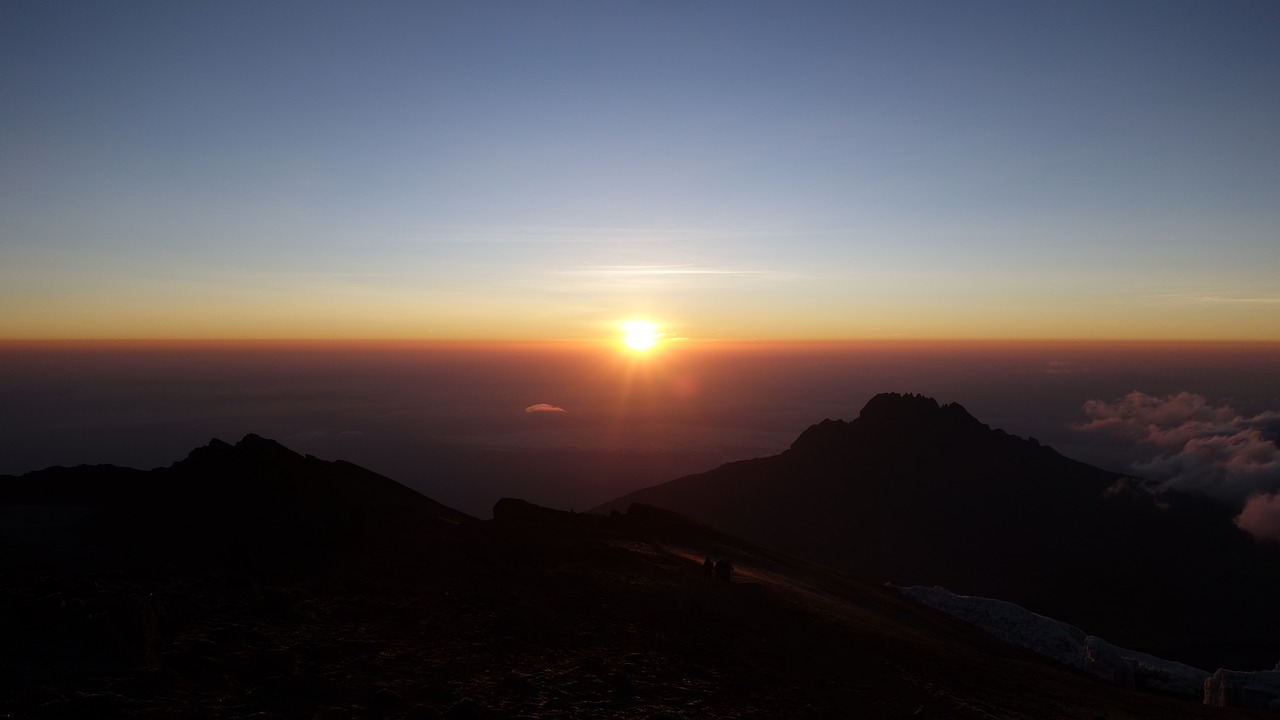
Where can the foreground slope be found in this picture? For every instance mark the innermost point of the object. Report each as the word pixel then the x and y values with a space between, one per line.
pixel 537 613
pixel 918 493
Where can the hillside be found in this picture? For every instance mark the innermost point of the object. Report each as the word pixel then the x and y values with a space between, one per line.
pixel 255 506
pixel 917 493
pixel 537 613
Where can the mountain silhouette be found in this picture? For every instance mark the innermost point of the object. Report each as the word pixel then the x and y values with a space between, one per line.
pixel 916 493
pixel 256 506
pixel 348 595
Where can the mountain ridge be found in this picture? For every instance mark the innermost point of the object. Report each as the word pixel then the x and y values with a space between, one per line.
pixel 536 613
pixel 915 492
pixel 255 504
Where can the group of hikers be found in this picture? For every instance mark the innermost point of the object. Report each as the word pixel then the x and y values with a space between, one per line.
pixel 721 571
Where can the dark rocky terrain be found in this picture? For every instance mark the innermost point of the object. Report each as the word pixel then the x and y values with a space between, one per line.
pixel 248 581
pixel 918 493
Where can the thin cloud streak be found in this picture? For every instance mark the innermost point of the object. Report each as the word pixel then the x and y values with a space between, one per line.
pixel 1219 299
pixel 654 277
pixel 327 275
pixel 661 270
pixel 587 234
pixel 1242 301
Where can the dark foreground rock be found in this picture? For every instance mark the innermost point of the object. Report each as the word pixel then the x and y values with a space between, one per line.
pixel 419 613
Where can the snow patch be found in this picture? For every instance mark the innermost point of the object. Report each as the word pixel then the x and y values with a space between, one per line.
pixel 1231 688
pixel 1066 644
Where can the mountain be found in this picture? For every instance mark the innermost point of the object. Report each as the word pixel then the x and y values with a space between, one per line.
pixel 351 596
pixel 917 493
pixel 256 506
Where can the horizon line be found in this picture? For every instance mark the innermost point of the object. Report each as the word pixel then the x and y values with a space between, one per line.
pixel 479 343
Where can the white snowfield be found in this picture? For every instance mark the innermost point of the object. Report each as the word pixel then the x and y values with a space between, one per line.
pixel 1068 644
pixel 1231 688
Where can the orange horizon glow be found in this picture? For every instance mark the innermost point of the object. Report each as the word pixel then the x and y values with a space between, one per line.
pixel 613 345
pixel 892 324
pixel 496 325
pixel 605 332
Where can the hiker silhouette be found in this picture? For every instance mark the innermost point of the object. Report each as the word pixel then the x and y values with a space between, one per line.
pixel 724 571
pixel 708 569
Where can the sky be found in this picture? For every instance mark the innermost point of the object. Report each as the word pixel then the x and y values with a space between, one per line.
pixel 729 170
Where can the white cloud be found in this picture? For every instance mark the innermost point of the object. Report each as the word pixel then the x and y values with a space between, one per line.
pixel 544 407
pixel 1206 448
pixel 1261 516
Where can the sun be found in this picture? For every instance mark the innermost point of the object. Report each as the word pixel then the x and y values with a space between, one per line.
pixel 640 335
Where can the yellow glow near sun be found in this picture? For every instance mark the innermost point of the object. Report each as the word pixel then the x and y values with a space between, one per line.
pixel 640 335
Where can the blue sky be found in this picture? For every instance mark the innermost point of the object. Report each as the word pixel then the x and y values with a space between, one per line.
pixel 548 169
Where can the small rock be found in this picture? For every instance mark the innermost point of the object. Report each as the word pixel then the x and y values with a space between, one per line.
pixel 387 699
pixel 465 709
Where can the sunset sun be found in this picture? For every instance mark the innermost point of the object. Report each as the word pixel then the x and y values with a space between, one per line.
pixel 639 335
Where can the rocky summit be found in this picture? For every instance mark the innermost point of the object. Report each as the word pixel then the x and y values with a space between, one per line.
pixel 915 492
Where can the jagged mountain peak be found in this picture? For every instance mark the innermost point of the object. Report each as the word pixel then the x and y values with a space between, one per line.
pixel 894 418
pixel 897 403
pixel 252 449
pixel 917 490
pixel 899 410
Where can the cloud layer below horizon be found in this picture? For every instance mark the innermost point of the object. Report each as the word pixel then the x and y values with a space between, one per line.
pixel 1202 448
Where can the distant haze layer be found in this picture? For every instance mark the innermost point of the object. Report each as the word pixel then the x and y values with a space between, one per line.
pixel 575 425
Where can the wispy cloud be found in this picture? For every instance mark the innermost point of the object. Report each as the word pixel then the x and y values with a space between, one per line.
pixel 326 275
pixel 587 234
pixel 650 276
pixel 544 408
pixel 1224 299
pixel 659 271
pixel 1065 367
pixel 1240 300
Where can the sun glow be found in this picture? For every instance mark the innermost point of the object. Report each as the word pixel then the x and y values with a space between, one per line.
pixel 640 335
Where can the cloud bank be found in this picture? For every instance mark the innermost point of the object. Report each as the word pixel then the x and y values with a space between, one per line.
pixel 1261 516
pixel 1203 448
pixel 544 407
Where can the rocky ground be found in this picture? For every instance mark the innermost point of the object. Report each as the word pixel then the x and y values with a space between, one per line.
pixel 536 614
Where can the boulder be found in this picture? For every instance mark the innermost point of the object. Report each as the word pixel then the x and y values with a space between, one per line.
pixel 1253 690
